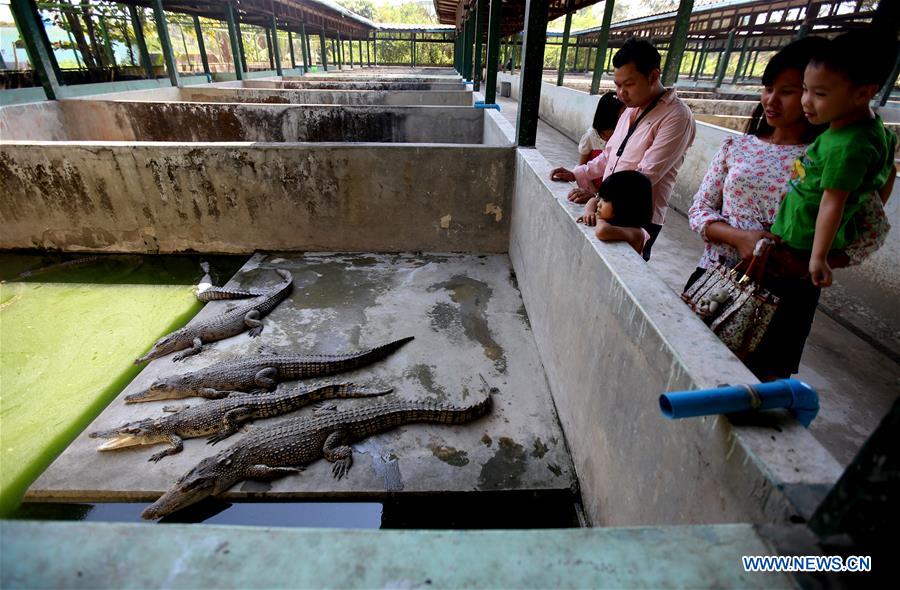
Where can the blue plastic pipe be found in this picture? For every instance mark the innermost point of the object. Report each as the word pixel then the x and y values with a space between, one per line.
pixel 793 394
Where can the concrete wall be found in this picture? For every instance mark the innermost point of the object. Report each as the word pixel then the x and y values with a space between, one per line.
pixel 147 197
pixel 497 130
pixel 339 85
pixel 96 120
pixel 612 338
pixel 345 97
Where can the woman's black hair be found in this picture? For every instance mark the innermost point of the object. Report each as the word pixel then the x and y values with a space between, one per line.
pixel 607 114
pixel 793 56
pixel 631 195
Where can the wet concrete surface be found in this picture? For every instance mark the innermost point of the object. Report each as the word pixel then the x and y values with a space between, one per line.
pixel 467 318
pixel 856 382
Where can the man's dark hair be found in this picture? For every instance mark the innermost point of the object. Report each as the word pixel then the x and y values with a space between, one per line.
pixel 793 56
pixel 607 114
pixel 863 57
pixel 639 52
pixel 631 195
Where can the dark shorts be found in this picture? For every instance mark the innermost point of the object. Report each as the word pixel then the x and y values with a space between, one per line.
pixel 653 229
pixel 778 355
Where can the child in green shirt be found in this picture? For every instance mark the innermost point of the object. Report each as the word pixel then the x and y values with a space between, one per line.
pixel 852 159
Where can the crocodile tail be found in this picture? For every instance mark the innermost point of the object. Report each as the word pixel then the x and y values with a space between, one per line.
pixel 345 390
pixel 220 293
pixel 443 413
pixel 374 354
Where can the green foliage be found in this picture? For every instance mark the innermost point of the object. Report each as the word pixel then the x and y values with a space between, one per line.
pixel 363 8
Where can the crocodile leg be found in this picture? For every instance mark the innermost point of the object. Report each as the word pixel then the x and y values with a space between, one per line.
pixel 265 473
pixel 252 321
pixel 175 409
pixel 231 421
pixel 209 393
pixel 338 453
pixel 196 346
pixel 266 378
pixel 177 447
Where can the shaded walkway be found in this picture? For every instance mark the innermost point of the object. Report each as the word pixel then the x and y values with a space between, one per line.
pixel 856 382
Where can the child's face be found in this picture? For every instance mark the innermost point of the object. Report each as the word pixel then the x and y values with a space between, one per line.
pixel 604 210
pixel 830 97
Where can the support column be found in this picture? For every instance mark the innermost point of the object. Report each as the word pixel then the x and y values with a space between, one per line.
pixel 202 48
pixel 812 10
pixel 468 49
pixel 308 47
pixel 359 46
pixel 240 39
pixel 493 51
pixel 412 53
pixel 28 21
pixel 291 50
pixel 276 49
pixel 339 54
pixel 565 48
pixel 269 48
pixel 375 48
pixel 368 52
pixel 350 43
pixel 233 38
pixel 107 46
pixel 323 49
pixel 480 14
pixel 43 31
pixel 533 44
pixel 138 26
pixel 676 46
pixel 164 40
pixel 702 64
pixel 724 57
pixel 575 61
pixel 740 63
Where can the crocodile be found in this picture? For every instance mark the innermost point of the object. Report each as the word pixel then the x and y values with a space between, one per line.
pixel 244 315
pixel 258 374
pixel 287 447
pixel 220 418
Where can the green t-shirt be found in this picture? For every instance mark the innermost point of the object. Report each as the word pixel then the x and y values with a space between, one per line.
pixel 858 158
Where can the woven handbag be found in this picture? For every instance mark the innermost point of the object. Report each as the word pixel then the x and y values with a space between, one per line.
pixel 734 306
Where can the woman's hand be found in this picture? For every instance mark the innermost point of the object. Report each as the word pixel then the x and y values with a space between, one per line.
pixel 745 241
pixel 562 175
pixel 579 195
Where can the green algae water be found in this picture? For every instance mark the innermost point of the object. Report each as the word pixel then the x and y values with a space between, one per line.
pixel 70 329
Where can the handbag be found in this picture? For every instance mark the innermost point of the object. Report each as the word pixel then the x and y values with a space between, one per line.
pixel 736 308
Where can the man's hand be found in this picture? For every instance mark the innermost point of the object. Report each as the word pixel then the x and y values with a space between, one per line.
pixel 562 175
pixel 579 195
pixel 820 272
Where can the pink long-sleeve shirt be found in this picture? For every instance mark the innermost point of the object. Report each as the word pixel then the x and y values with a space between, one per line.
pixel 656 149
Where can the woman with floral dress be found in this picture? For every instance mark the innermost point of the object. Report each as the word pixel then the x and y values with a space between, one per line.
pixel 737 201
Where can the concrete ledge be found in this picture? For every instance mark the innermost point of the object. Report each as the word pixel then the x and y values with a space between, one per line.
pixel 163 197
pixel 99 555
pixel 338 84
pixel 612 337
pixel 345 97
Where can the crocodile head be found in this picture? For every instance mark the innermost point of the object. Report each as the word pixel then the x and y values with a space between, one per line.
pixel 210 477
pixel 171 387
pixel 143 432
pixel 165 345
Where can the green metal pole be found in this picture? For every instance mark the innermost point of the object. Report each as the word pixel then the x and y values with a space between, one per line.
pixel 269 48
pixel 702 64
pixel 323 49
pixel 533 44
pixel 575 60
pixel 350 43
pixel 240 40
pixel 480 14
pixel 493 52
pixel 291 49
pixel 162 30
pixel 679 40
pixel 885 93
pixel 233 38
pixel 138 26
pixel 307 48
pixel 412 52
pixel 359 47
pixel 202 46
pixel 107 46
pixel 276 50
pixel 340 51
pixel 28 21
pixel 467 50
pixel 565 48
pixel 740 64
pixel 724 57
pixel 43 31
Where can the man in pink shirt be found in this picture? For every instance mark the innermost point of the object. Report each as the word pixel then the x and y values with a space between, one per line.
pixel 652 135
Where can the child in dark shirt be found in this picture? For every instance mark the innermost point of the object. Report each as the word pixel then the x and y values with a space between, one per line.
pixel 623 205
pixel 851 161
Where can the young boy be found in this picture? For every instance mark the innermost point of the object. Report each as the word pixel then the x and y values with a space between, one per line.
pixel 852 159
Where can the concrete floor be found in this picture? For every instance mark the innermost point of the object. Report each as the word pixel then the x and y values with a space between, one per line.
pixel 856 382
pixel 468 319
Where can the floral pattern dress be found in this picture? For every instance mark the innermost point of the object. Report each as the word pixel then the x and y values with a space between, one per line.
pixel 744 186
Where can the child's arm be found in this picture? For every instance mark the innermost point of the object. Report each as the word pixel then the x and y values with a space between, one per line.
pixel 635 236
pixel 827 223
pixel 589 217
